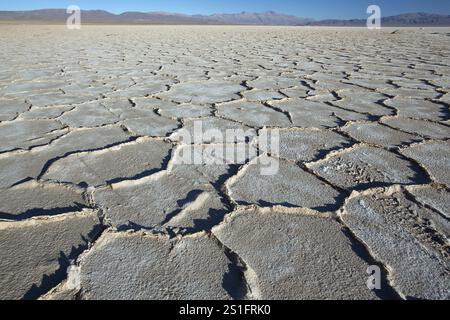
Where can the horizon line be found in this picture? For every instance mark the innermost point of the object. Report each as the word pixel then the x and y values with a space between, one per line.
pixel 207 15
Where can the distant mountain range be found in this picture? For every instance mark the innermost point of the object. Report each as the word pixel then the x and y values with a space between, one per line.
pixel 265 18
pixel 403 20
pixel 100 16
pixel 243 18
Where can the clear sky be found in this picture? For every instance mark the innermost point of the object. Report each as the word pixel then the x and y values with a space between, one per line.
pixel 318 9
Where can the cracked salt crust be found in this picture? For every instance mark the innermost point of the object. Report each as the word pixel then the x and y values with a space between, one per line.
pixel 92 132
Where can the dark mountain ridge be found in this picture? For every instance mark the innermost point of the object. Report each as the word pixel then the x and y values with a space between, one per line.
pixel 244 18
pixel 419 19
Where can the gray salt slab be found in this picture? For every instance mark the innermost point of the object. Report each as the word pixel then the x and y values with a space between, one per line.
pixel 216 164
pixel 132 113
pixel 152 125
pixel 396 232
pixel 308 144
pixel 413 84
pixel 434 157
pixel 154 200
pixel 183 72
pixel 370 83
pixel 325 76
pixel 273 83
pixel 135 266
pixel 116 105
pixel 418 109
pixel 364 102
pixel 294 256
pixel 23 134
pixel 192 75
pixel 96 168
pixel 36 199
pixel 306 113
pixel 346 115
pixel 89 115
pixel 211 155
pixel 291 186
pixel 30 86
pixel 206 210
pixel 331 85
pixel 411 93
pixel 36 249
pixel 46 113
pixel 54 99
pixel 211 91
pixel 203 173
pixel 443 82
pixel 253 114
pixel 212 129
pixel 262 95
pixel 438 199
pixel 81 89
pixel 321 96
pixel 297 92
pixel 152 87
pixel 374 133
pixel 19 166
pixel 362 166
pixel 10 108
pixel 151 103
pixel 185 111
pixel 422 128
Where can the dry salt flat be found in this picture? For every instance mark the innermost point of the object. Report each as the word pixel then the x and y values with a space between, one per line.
pixel 94 205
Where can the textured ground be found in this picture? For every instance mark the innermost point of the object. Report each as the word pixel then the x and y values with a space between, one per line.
pixel 89 186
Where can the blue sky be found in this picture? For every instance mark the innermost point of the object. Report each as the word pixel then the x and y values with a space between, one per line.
pixel 319 9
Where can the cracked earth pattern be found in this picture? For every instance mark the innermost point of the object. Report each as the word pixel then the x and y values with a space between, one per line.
pixel 94 205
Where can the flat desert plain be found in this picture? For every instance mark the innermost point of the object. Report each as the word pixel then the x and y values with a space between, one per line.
pixel 94 204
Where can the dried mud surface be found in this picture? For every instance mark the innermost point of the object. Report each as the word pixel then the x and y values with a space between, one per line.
pixel 94 204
